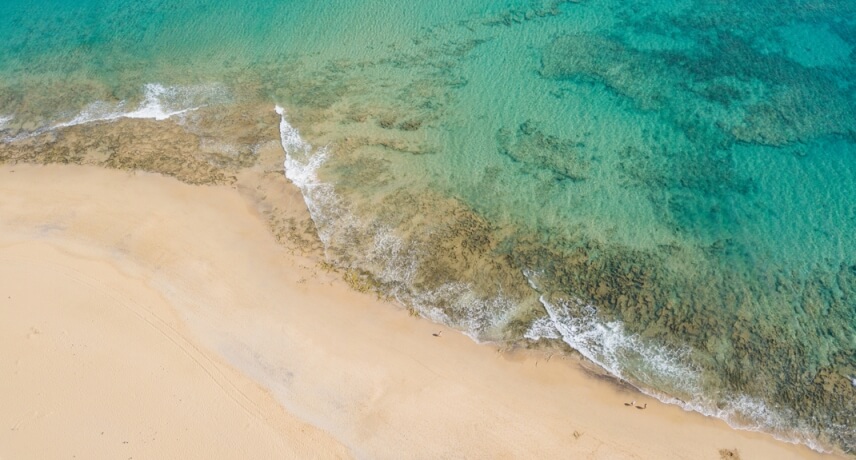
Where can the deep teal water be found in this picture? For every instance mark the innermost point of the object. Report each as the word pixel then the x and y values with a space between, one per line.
pixel 665 186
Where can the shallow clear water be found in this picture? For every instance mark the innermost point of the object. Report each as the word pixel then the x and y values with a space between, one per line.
pixel 667 187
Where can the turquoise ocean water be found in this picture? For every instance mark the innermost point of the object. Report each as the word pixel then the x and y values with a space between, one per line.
pixel 667 187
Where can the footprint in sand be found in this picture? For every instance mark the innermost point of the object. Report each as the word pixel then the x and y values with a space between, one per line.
pixel 729 454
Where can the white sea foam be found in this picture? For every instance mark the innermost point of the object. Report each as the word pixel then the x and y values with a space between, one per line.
pixel 622 354
pixel 393 262
pixel 4 120
pixel 649 366
pixel 334 222
pixel 159 103
pixel 542 328
pixel 301 164
pixel 475 316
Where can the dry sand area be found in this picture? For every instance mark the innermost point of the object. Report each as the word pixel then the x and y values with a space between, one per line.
pixel 144 318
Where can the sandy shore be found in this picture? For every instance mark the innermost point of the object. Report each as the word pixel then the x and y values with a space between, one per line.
pixel 146 318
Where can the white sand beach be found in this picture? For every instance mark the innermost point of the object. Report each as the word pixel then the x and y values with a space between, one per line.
pixel 146 318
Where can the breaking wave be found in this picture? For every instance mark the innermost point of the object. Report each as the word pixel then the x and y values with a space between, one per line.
pixel 659 371
pixel 158 103
pixel 392 261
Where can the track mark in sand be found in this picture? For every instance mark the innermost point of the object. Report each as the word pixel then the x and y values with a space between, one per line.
pixel 34 332
pixel 200 358
pixel 31 416
pixel 427 367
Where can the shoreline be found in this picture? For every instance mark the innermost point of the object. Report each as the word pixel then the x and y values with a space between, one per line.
pixel 364 376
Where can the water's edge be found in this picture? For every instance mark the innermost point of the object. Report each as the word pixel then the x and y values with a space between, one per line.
pixel 566 322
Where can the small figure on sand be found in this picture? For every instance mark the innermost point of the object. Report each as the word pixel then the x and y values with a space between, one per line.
pixel 644 406
pixel 631 403
pixel 437 334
